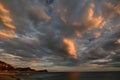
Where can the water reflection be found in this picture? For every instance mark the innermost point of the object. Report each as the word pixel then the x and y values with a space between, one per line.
pixel 74 76
pixel 67 76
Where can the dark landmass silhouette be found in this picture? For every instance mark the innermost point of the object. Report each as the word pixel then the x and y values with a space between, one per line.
pixel 25 69
pixel 4 67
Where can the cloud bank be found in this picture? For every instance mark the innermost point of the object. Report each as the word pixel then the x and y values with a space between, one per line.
pixel 60 32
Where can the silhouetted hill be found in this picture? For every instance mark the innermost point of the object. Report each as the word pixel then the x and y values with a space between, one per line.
pixel 25 69
pixel 4 67
pixel 42 70
pixel 28 69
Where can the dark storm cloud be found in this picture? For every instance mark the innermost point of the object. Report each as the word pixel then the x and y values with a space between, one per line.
pixel 111 45
pixel 42 25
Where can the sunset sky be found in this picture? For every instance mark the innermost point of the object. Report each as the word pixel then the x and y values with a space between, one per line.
pixel 60 35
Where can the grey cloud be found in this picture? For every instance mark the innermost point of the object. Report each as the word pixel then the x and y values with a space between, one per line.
pixel 41 26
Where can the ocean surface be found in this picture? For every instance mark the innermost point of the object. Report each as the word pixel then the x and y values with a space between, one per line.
pixel 62 76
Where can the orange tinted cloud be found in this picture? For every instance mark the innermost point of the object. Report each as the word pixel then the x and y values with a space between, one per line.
pixel 113 53
pixel 93 21
pixel 39 12
pixel 44 16
pixel 116 8
pixel 6 21
pixel 90 20
pixel 97 34
pixel 63 15
pixel 70 47
pixel 63 19
pixel 78 34
pixel 3 10
pixel 118 41
pixel 35 60
pixel 6 33
pixel 90 12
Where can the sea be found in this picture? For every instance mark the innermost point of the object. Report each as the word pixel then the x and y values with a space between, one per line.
pixel 62 76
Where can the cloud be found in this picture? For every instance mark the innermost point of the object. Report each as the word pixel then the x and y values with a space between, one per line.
pixel 70 47
pixel 6 21
pixel 62 32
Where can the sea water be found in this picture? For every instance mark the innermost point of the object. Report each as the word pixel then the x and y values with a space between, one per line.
pixel 64 76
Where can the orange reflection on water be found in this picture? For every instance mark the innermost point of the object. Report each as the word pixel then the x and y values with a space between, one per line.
pixel 74 76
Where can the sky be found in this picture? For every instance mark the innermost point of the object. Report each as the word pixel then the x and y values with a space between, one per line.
pixel 60 35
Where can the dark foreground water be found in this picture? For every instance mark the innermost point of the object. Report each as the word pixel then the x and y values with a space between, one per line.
pixel 63 76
